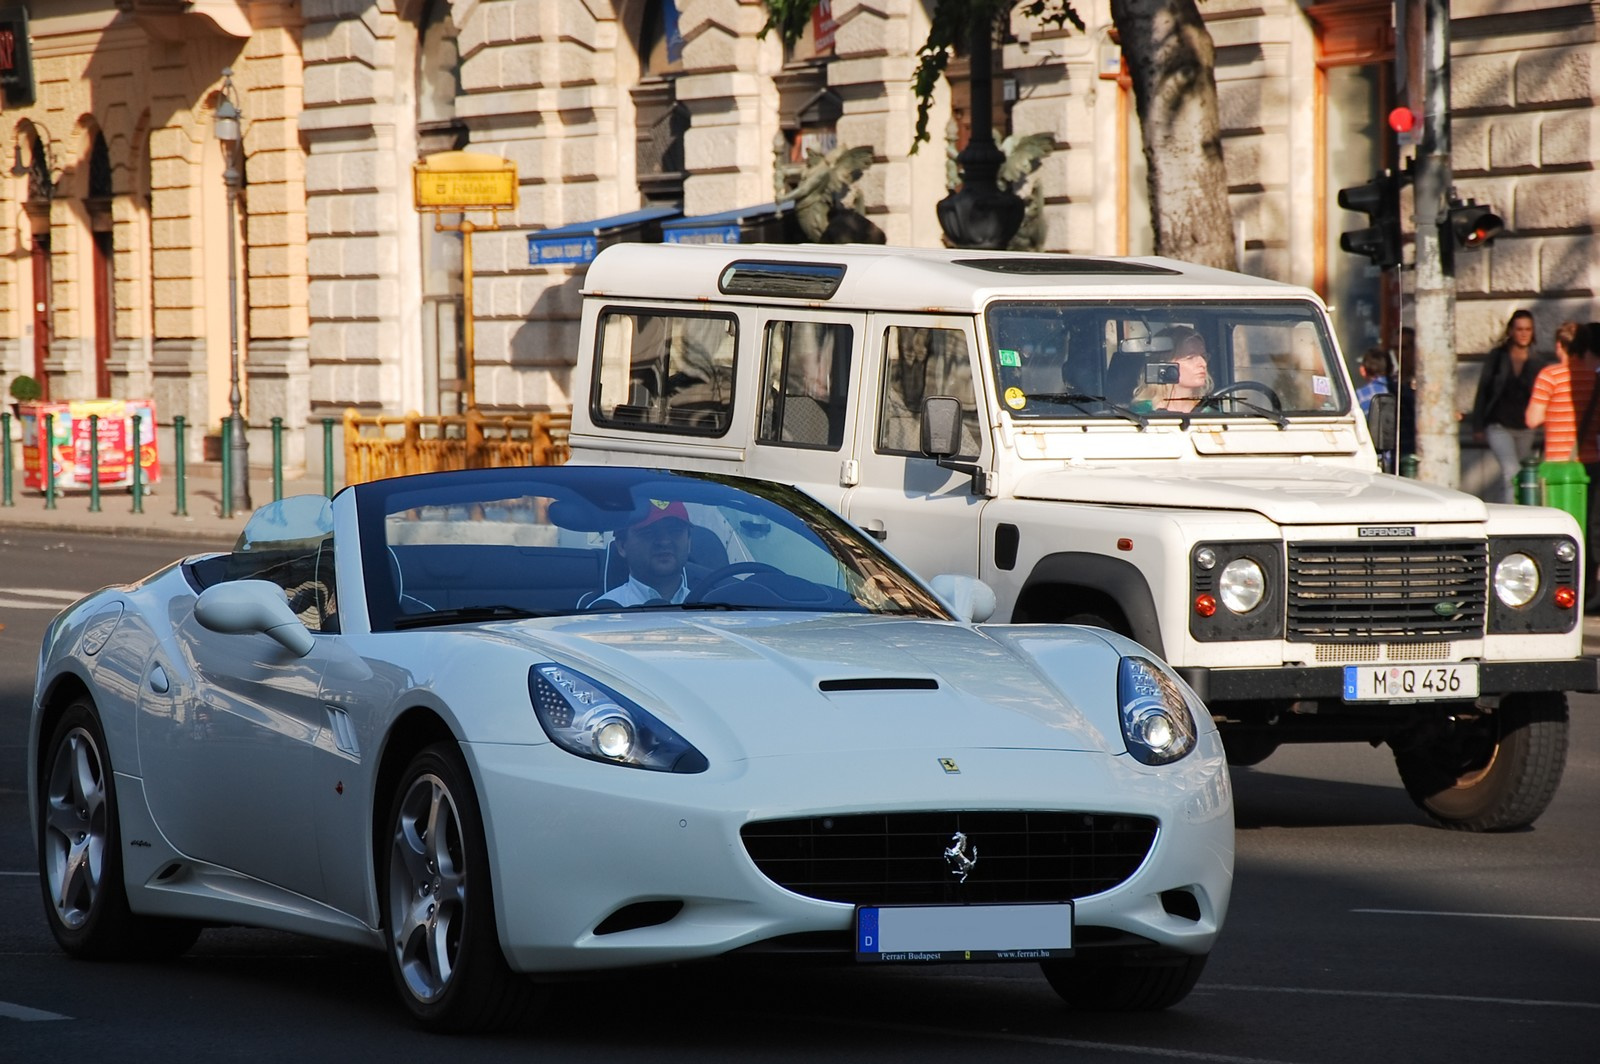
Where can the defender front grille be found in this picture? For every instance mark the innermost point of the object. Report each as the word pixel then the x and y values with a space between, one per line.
pixel 1412 591
pixel 898 858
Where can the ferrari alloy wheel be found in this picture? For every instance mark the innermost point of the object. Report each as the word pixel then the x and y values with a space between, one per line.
pixel 438 904
pixel 80 858
pixel 1495 772
pixel 1124 985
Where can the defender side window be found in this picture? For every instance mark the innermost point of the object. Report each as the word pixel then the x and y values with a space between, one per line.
pixel 918 363
pixel 805 376
pixel 666 371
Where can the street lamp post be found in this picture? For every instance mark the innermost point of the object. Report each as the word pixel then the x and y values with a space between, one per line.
pixel 236 447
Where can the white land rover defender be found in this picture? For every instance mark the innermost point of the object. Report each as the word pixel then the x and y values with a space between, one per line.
pixel 1171 452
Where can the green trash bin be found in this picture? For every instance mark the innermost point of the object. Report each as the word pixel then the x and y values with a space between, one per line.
pixel 1566 487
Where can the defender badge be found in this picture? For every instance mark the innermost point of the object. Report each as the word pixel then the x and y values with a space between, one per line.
pixel 961 855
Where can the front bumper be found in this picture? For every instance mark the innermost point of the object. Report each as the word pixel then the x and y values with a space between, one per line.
pixel 573 841
pixel 1294 683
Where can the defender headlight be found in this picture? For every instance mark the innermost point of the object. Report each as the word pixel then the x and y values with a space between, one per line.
pixel 1157 725
pixel 586 718
pixel 1516 579
pixel 1243 585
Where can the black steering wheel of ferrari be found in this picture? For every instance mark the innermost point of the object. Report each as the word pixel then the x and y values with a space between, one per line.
pixel 718 576
pixel 1243 386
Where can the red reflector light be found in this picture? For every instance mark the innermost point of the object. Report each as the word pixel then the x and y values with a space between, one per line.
pixel 1566 597
pixel 1124 544
pixel 1205 605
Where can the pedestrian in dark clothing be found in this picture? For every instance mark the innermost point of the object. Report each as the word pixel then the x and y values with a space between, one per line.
pixel 1498 411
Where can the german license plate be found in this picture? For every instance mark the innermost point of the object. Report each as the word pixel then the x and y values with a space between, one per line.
pixel 1030 932
pixel 1410 683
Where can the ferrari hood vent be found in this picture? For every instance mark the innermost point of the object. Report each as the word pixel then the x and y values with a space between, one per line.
pixel 879 683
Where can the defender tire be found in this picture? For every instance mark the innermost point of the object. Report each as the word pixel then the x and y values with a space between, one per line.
pixel 1496 773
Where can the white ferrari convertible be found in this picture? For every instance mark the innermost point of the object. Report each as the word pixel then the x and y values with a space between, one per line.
pixel 511 724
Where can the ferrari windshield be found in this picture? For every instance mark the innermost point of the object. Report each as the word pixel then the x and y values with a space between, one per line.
pixel 1134 362
pixel 496 544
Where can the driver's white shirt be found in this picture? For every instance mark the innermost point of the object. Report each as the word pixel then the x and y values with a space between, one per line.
pixel 636 593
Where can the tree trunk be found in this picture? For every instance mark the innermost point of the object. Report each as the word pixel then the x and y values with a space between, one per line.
pixel 1171 59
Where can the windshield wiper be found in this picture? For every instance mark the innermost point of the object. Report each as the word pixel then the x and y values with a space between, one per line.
pixel 1276 417
pixel 465 615
pixel 1078 399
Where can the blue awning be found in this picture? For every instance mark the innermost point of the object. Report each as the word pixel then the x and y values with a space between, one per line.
pixel 579 242
pixel 764 223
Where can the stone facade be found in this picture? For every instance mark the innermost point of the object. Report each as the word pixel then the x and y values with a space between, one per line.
pixel 352 298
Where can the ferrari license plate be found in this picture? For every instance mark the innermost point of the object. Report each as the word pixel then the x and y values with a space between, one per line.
pixel 1409 683
pixel 1030 932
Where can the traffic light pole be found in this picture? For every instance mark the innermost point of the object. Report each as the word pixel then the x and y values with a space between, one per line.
pixel 1438 441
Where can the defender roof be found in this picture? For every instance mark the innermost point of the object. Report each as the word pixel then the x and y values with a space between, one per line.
pixel 880 277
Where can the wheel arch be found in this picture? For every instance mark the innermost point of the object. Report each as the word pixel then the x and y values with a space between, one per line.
pixel 1079 582
pixel 415 729
pixel 63 691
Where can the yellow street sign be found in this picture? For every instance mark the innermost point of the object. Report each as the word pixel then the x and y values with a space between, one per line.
pixel 464 180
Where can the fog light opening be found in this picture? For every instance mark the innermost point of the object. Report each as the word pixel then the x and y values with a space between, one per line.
pixel 1181 903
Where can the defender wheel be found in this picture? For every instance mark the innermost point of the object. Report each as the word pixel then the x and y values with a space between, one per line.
pixel 80 853
pixel 438 906
pixel 1130 985
pixel 1496 773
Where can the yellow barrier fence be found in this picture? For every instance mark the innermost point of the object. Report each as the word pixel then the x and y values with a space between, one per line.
pixel 377 447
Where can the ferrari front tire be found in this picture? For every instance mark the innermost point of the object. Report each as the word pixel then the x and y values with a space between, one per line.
pixel 1142 984
pixel 80 852
pixel 438 905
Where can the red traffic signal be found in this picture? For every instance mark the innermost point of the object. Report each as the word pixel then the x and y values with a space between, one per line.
pixel 1473 225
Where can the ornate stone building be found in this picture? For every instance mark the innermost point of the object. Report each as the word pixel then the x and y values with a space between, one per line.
pixel 622 115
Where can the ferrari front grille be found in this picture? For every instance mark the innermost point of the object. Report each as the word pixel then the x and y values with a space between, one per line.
pixel 899 858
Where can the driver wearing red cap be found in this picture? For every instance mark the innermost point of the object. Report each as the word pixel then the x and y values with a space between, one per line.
pixel 656 550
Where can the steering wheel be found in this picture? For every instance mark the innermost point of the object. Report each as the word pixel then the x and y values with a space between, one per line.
pixel 1242 386
pixel 718 576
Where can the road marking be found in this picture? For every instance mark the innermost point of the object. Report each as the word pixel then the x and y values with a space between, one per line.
pixel 1481 916
pixel 28 598
pixel 1392 995
pixel 22 1012
pixel 1066 1043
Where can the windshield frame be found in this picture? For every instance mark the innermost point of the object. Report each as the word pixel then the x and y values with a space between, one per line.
pixel 582 508
pixel 1292 338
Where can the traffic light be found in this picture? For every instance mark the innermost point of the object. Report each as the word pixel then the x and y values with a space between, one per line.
pixel 1379 200
pixel 1473 225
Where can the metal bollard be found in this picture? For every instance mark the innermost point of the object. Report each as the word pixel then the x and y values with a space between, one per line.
pixel 1529 492
pixel 94 463
pixel 48 454
pixel 277 458
pixel 327 457
pixel 1408 465
pixel 227 472
pixel 5 462
pixel 138 466
pixel 179 424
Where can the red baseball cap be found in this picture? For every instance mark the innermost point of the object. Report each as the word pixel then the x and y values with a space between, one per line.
pixel 661 510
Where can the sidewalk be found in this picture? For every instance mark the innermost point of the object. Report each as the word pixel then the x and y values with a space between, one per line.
pixel 203 522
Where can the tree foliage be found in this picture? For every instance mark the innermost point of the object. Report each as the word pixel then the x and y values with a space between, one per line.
pixel 1171 60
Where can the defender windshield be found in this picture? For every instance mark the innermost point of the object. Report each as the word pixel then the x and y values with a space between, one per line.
pixel 1125 362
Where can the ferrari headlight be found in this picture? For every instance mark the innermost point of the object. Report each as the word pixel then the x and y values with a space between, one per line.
pixel 1157 724
pixel 1516 579
pixel 1243 585
pixel 586 718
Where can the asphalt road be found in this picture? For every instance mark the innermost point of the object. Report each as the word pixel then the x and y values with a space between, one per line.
pixel 1357 932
